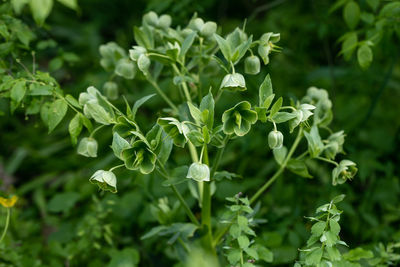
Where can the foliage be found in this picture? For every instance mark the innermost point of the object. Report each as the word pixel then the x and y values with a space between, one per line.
pixel 192 105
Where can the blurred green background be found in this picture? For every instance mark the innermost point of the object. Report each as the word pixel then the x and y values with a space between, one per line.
pixel 62 220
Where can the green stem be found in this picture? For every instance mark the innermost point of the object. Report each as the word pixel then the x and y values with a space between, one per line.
pixel 164 96
pixel 281 169
pixel 206 205
pixel 7 224
pixel 296 142
pixel 184 85
pixel 328 160
pixel 185 206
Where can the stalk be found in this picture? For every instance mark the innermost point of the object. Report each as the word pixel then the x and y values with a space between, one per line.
pixel 7 224
pixel 206 205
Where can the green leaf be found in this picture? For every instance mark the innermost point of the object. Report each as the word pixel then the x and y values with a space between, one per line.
pixel 138 103
pixel 281 117
pixel 41 10
pixel 334 226
pixel 124 258
pixel 265 91
pixel 265 254
pixel 98 113
pixel 207 103
pixel 187 43
pixel 234 256
pixel 18 5
pixel 351 14
pixel 298 167
pixel 314 257
pixel 39 89
pixel 194 112
pixel 17 92
pixel 70 99
pixel 349 45
pixel 243 241
pixel 235 231
pixel 178 176
pixel 75 128
pixel 318 228
pixel 69 3
pixel 252 252
pixel 373 4
pixel 223 46
pixel 358 254
pixel 364 56
pixel 141 38
pixel 338 198
pixel 63 202
pixel 280 154
pixel 57 111
pixel 275 108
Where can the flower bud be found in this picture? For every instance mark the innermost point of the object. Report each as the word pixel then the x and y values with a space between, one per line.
pixel 164 21
pixel 345 171
pixel 196 24
pixel 125 68
pixel 88 147
pixel 136 52
pixel 106 180
pixel 151 18
pixel 110 90
pixel 252 65
pixel 233 82
pixel 143 63
pixel 208 29
pixel 275 139
pixel 199 172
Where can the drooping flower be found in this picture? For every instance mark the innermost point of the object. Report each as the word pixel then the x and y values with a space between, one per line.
pixel 345 171
pixel 139 157
pixel 199 172
pixel 239 119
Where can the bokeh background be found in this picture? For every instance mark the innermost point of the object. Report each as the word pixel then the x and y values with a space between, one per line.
pixel 63 220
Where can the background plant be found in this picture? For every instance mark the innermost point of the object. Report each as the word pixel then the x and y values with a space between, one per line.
pixel 372 214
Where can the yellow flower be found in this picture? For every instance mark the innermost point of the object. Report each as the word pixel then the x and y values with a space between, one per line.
pixel 8 202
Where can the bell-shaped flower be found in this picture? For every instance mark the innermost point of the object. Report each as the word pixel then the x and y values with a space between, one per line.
pixel 199 172
pixel 106 180
pixel 275 139
pixel 139 157
pixel 88 147
pixel 335 144
pixel 252 65
pixel 239 119
pixel 175 129
pixel 233 82
pixel 345 171
pixel 303 112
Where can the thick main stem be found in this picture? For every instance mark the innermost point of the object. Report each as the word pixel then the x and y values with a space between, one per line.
pixel 206 206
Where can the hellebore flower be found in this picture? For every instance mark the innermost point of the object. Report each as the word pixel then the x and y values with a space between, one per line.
pixel 233 82
pixel 252 65
pixel 139 157
pixel 335 144
pixel 199 172
pixel 175 129
pixel 275 139
pixel 106 180
pixel 239 119
pixel 88 147
pixel 345 171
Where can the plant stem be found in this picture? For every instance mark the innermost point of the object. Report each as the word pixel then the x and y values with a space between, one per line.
pixel 184 85
pixel 281 169
pixel 7 224
pixel 206 206
pixel 164 96
pixel 328 160
pixel 185 206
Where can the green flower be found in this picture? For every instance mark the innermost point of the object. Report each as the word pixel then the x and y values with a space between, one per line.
pixel 320 99
pixel 199 172
pixel 239 119
pixel 275 139
pixel 175 129
pixel 252 65
pixel 233 82
pixel 139 157
pixel 106 180
pixel 110 90
pixel 88 147
pixel 335 145
pixel 345 171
